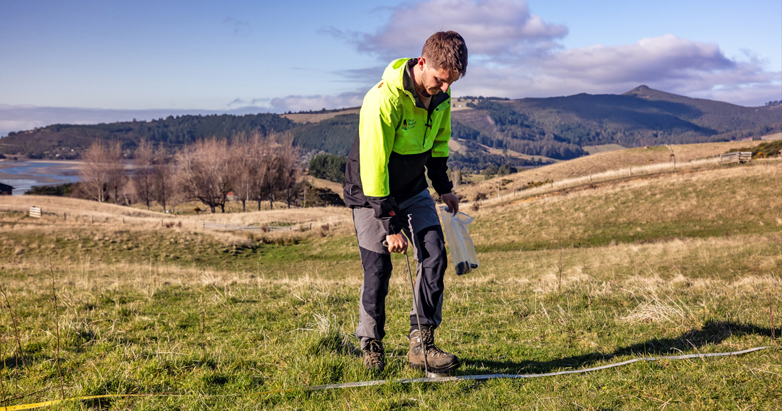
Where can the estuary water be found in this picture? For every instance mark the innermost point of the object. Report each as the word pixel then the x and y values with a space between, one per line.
pixel 22 175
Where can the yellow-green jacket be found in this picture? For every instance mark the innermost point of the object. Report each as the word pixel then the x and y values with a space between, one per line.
pixel 397 138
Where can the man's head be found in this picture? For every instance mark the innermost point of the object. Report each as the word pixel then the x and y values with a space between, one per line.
pixel 447 50
pixel 443 61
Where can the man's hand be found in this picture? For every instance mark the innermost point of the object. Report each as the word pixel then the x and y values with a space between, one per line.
pixel 396 243
pixel 451 201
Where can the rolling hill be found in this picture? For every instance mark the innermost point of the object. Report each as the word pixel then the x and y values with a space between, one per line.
pixel 524 132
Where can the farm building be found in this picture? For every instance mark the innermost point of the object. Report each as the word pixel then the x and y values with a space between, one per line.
pixel 5 190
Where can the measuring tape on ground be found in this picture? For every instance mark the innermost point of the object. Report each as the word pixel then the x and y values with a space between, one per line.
pixel 398 381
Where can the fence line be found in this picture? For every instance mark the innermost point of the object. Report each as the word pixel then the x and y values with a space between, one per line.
pixel 253 228
pixel 740 156
pixel 609 175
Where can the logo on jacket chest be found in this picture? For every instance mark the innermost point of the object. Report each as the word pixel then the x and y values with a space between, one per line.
pixel 408 124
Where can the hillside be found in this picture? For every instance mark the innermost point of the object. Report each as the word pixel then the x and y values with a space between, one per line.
pixel 525 132
pixel 66 141
pixel 559 127
pixel 155 311
pixel 605 165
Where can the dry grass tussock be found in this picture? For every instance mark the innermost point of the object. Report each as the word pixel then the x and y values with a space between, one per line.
pixel 665 309
pixel 609 165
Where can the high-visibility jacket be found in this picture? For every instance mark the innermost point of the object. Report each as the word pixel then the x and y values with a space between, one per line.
pixel 397 138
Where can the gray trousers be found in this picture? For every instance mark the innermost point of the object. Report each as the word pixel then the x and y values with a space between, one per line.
pixel 431 261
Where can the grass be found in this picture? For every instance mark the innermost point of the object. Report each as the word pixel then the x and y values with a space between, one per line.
pixel 319 116
pixel 567 281
pixel 610 165
pixel 722 202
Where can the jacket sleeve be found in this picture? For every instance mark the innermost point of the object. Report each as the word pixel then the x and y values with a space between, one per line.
pixel 377 129
pixel 437 166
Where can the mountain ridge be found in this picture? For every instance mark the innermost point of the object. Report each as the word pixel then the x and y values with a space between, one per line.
pixel 552 127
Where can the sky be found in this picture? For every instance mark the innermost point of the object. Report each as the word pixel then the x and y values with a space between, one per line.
pixel 105 60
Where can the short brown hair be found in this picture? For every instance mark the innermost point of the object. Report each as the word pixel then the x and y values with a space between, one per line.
pixel 446 49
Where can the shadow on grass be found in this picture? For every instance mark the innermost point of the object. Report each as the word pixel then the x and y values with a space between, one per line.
pixel 713 332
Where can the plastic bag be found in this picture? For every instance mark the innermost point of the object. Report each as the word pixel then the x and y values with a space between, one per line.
pixel 459 241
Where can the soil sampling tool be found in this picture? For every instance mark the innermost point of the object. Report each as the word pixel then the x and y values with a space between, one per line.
pixel 427 374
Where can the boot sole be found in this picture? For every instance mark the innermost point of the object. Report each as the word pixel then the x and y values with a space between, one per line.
pixel 435 370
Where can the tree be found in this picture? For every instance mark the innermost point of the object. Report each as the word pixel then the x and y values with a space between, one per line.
pixel 94 171
pixel 245 157
pixel 116 169
pixel 202 172
pixel 506 169
pixel 142 178
pixel 275 155
pixel 490 172
pixel 328 167
pixel 287 171
pixel 163 181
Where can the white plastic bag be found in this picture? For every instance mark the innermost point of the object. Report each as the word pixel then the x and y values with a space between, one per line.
pixel 459 241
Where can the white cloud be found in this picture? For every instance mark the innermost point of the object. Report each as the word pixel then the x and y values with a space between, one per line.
pixel 516 54
pixel 236 101
pixel 318 102
pixel 665 63
pixel 500 29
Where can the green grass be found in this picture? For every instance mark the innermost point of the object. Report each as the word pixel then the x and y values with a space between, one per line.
pixel 270 335
pixel 726 203
pixel 170 311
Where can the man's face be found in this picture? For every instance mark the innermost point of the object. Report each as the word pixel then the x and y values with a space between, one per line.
pixel 436 80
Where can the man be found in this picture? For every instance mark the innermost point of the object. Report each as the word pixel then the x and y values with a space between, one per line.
pixel 405 125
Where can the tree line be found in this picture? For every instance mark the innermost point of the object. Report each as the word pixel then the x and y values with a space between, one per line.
pixel 250 167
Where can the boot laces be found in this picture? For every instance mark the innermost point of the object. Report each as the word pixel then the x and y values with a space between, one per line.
pixel 374 352
pixel 427 336
pixel 374 346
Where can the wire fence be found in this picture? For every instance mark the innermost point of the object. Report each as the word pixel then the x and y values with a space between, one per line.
pixel 256 228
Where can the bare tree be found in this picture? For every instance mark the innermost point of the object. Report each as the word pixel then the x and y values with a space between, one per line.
pixel 202 172
pixel 278 172
pixel 116 169
pixel 163 181
pixel 94 170
pixel 245 166
pixel 287 171
pixel 142 178
pixel 263 177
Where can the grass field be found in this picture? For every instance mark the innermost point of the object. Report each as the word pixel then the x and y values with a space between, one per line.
pixel 610 165
pixel 591 275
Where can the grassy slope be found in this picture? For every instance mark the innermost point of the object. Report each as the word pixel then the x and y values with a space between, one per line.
pixel 626 269
pixel 319 116
pixel 612 162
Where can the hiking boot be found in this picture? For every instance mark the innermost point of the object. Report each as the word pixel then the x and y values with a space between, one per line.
pixel 374 355
pixel 437 360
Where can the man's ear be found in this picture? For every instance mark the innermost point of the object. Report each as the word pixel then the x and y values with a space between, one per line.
pixel 421 62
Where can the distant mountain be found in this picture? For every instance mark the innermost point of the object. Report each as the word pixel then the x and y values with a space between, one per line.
pixel 555 126
pixel 485 130
pixel 66 141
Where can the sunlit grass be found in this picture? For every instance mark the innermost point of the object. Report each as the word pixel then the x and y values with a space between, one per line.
pixel 246 321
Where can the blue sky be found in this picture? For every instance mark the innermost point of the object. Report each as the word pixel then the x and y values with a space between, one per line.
pixel 98 61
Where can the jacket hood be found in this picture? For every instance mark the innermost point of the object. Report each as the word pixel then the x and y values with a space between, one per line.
pixel 394 74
